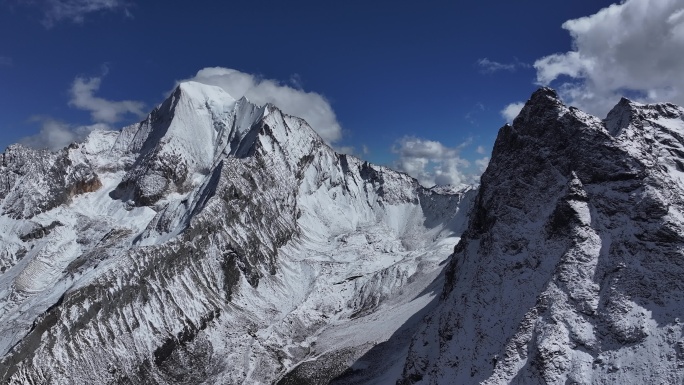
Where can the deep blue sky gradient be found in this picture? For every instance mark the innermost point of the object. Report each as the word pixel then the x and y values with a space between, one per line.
pixel 389 69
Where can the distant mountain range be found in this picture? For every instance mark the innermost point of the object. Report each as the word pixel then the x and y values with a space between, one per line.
pixel 221 242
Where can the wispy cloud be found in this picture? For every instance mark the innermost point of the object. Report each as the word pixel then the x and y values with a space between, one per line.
pixel 433 163
pixel 491 66
pixel 55 135
pixel 477 110
pixel 311 106
pixel 296 81
pixel 101 110
pixel 76 11
pixel 482 164
pixel 635 47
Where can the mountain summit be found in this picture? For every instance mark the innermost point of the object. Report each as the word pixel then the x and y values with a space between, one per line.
pixel 221 242
pixel 569 271
pixel 214 242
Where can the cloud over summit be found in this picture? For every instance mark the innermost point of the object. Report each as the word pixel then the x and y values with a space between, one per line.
pixel 310 106
pixel 635 48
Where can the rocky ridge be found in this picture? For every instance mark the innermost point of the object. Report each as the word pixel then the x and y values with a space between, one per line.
pixel 569 271
pixel 215 242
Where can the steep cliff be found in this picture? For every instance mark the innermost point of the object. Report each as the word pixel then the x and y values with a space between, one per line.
pixel 570 269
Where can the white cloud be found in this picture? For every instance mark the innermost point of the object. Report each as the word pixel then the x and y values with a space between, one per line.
pixel 55 135
pixel 511 111
pixel 101 110
pixel 635 47
pixel 55 11
pixel 490 66
pixel 352 150
pixel 433 163
pixel 482 164
pixel 481 150
pixel 349 150
pixel 312 107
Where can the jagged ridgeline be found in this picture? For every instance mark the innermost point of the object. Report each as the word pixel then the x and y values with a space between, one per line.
pixel 570 270
pixel 220 242
pixel 215 242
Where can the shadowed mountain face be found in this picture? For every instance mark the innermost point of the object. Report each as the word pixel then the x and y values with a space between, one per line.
pixel 215 242
pixel 569 271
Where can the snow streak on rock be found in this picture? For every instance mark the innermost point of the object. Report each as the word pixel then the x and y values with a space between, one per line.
pixel 570 269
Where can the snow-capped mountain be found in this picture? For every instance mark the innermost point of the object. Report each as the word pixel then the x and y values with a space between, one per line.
pixel 216 242
pixel 570 270
pixel 221 242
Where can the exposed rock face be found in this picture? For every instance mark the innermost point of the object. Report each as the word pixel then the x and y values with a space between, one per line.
pixel 34 181
pixel 215 242
pixel 223 242
pixel 570 270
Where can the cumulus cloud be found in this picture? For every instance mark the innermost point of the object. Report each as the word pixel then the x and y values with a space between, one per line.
pixel 55 11
pixel 311 106
pixel 55 135
pixel 511 111
pixel 634 48
pixel 101 110
pixel 491 66
pixel 481 150
pixel 433 163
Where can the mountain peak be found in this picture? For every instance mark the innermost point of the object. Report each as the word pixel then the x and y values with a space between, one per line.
pixel 186 135
pixel 203 92
pixel 213 242
pixel 543 106
pixel 582 231
pixel 620 116
pixel 544 93
pixel 630 113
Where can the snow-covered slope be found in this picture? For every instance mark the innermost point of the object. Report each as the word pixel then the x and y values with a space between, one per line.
pixel 570 270
pixel 215 242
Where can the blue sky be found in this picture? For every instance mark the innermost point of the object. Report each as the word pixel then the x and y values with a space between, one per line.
pixel 419 86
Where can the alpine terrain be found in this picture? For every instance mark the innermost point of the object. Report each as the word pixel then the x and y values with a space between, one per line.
pixel 221 242
pixel 216 242
pixel 570 269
